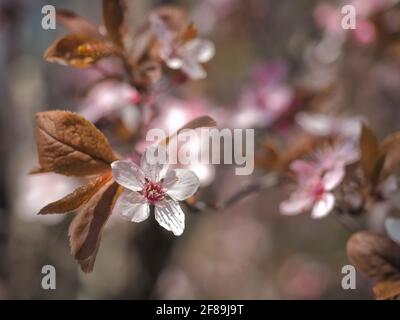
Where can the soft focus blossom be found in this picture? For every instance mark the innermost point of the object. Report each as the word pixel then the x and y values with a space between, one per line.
pixel 36 191
pixel 266 98
pixel 326 125
pixel 317 179
pixel 336 156
pixel 187 56
pixel 110 98
pixel 314 191
pixel 329 17
pixel 153 185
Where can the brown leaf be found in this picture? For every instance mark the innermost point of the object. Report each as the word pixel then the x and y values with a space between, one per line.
pixel 77 24
pixel 387 290
pixel 69 144
pixel 370 153
pixel 77 198
pixel 269 156
pixel 86 228
pixel 190 33
pixel 391 148
pixel 79 50
pixel 113 15
pixel 375 255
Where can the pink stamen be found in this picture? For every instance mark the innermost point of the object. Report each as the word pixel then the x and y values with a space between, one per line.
pixel 153 192
pixel 319 190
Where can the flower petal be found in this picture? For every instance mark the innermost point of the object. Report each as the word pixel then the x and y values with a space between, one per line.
pixel 132 206
pixel 192 68
pixel 181 183
pixel 200 50
pixel 304 170
pixel 128 174
pixel 333 178
pixel 170 216
pixel 323 206
pixel 297 203
pixel 154 163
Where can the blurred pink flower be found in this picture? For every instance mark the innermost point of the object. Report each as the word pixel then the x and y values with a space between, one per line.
pixel 266 98
pixel 151 184
pixel 110 98
pixel 178 55
pixel 314 191
pixel 329 17
pixel 338 155
pixel 317 179
pixel 326 125
pixel 36 191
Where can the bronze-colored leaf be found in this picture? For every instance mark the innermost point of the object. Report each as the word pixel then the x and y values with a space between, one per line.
pixel 69 144
pixel 370 152
pixel 77 24
pixel 269 157
pixel 80 51
pixel 387 290
pixel 391 148
pixel 86 228
pixel 113 15
pixel 77 198
pixel 375 255
pixel 190 33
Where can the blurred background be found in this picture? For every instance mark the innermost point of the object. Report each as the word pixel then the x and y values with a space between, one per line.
pixel 294 54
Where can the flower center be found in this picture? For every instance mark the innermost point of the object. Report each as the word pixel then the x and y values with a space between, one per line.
pixel 153 192
pixel 319 190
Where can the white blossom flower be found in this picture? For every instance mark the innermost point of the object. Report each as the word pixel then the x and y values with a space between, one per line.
pixel 187 56
pixel 153 185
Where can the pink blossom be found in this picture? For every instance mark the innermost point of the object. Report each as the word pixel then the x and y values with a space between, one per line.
pixel 317 179
pixel 266 98
pixel 329 18
pixel 187 56
pixel 314 191
pixel 326 125
pixel 109 98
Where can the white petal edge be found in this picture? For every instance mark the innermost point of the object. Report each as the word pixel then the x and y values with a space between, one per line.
pixel 132 206
pixel 201 50
pixel 128 174
pixel 333 178
pixel 323 206
pixel 170 216
pixel 297 203
pixel 181 183
pixel 193 69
